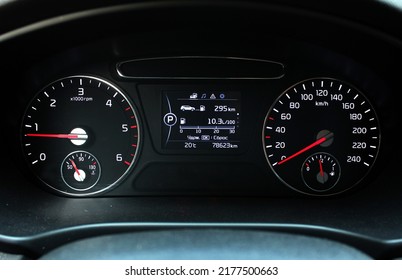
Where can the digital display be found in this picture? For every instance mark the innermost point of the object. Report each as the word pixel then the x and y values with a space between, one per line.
pixel 201 120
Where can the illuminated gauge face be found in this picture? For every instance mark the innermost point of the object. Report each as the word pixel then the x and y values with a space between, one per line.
pixel 76 127
pixel 321 136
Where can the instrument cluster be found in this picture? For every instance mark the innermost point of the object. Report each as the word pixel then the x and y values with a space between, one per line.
pixel 126 132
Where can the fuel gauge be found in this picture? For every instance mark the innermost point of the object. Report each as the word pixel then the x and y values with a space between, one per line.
pixel 80 170
pixel 321 172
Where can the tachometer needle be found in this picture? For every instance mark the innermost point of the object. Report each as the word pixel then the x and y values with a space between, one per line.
pixel 312 145
pixel 56 135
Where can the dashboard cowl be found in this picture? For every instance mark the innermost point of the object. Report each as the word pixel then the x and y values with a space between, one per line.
pixel 354 41
pixel 205 244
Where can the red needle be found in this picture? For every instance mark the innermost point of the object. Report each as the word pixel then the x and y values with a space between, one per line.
pixel 75 167
pixel 55 135
pixel 316 143
pixel 321 171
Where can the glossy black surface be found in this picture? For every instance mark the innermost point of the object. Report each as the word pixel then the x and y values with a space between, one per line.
pixel 321 136
pixel 80 135
pixel 350 42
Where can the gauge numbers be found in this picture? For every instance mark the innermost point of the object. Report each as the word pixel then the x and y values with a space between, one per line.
pixel 327 116
pixel 80 171
pixel 74 126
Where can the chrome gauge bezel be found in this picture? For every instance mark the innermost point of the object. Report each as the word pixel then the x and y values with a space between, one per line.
pixel 304 151
pixel 107 86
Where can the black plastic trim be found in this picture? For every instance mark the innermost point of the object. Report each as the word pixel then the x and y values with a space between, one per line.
pixel 200 68
pixel 35 246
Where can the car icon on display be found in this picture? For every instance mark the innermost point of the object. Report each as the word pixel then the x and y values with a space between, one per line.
pixel 187 108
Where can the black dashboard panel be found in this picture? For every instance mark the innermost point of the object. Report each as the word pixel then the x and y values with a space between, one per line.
pixel 221 170
pixel 188 183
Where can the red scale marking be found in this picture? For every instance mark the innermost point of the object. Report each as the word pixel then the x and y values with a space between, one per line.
pixel 127 163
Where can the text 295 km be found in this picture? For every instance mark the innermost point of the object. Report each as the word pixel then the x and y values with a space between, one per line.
pixel 246 270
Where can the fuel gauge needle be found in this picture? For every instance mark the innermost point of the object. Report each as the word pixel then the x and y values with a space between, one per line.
pixel 305 149
pixel 321 169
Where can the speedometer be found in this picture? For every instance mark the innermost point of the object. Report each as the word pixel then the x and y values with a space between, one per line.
pixel 321 136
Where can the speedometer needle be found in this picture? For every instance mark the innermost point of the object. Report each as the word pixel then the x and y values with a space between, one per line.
pixel 312 145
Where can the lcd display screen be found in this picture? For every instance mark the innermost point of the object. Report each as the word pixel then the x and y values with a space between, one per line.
pixel 201 120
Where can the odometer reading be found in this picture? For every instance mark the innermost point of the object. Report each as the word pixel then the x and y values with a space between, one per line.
pixel 321 136
pixel 201 121
pixel 74 126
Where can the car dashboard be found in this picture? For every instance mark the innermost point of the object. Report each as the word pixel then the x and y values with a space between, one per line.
pixel 228 116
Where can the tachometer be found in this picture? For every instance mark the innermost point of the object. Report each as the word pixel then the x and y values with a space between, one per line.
pixel 321 136
pixel 74 126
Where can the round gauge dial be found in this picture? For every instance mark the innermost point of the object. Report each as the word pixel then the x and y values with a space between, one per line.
pixel 321 172
pixel 74 125
pixel 321 126
pixel 80 171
